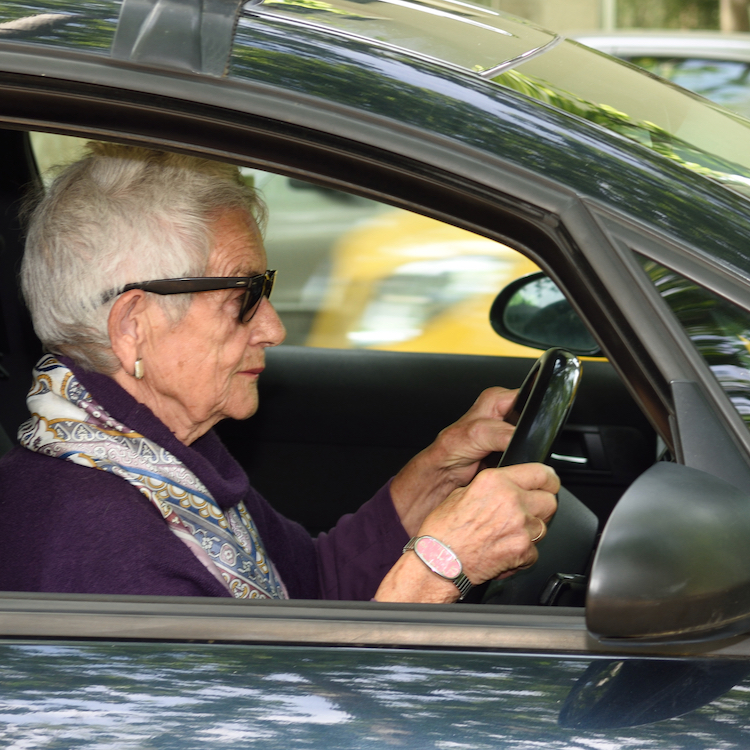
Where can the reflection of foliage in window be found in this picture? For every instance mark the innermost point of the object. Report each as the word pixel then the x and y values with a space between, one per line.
pixel 62 23
pixel 309 5
pixel 722 81
pixel 719 329
pixel 646 133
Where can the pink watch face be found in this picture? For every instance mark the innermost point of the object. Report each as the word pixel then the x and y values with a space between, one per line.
pixel 441 559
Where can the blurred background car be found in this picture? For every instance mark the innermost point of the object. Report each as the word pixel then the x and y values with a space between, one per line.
pixel 405 282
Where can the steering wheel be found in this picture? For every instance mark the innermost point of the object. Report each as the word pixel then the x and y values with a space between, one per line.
pixel 539 413
pixel 542 406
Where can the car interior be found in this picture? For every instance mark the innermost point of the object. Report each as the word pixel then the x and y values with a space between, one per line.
pixel 335 424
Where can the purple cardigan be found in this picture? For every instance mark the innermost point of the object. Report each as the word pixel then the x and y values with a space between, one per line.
pixel 70 528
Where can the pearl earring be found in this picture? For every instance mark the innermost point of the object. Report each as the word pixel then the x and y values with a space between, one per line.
pixel 138 369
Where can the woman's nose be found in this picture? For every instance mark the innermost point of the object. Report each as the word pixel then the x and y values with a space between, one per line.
pixel 266 326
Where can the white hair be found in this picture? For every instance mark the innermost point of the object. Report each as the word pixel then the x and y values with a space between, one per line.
pixel 120 215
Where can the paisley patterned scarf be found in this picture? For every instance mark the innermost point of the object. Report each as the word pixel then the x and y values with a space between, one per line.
pixel 67 423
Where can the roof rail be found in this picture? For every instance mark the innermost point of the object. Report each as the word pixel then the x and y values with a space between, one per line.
pixel 192 35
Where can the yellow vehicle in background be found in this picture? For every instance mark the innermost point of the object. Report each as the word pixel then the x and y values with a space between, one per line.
pixel 403 282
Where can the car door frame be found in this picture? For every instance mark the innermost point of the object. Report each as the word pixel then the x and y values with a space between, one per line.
pixel 423 172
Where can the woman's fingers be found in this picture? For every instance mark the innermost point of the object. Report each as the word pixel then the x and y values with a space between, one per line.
pixel 482 429
pixel 533 476
pixel 493 402
pixel 495 522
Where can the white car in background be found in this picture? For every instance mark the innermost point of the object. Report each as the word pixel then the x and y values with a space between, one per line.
pixel 710 63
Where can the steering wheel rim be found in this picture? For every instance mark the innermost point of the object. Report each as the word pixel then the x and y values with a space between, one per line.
pixel 542 406
pixel 539 412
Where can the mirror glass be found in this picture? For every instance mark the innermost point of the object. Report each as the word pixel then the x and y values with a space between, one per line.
pixel 532 311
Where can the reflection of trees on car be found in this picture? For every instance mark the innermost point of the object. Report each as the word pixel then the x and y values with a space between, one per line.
pixel 93 28
pixel 647 133
pixel 718 329
pixel 171 696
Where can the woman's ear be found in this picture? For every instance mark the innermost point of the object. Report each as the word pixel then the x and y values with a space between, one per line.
pixel 127 327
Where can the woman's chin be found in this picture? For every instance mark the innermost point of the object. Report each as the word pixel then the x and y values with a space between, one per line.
pixel 245 405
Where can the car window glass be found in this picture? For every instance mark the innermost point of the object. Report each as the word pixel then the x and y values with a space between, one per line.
pixel 356 273
pixel 52 150
pixel 403 282
pixel 672 122
pixel 719 330
pixel 726 82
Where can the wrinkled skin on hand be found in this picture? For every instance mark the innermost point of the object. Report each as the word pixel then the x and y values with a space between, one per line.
pixel 490 524
pixel 490 518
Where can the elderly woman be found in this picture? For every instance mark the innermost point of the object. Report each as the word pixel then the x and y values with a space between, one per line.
pixel 146 278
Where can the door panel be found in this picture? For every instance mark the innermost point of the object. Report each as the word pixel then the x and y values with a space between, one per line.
pixel 190 696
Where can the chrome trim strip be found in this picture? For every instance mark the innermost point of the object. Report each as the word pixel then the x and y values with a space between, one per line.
pixel 344 624
pixel 509 64
pixel 315 623
pixel 569 459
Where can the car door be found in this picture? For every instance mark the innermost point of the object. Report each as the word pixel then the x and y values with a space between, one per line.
pixel 144 671
pixel 137 672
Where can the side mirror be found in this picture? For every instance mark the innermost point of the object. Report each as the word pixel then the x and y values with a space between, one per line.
pixel 673 562
pixel 532 311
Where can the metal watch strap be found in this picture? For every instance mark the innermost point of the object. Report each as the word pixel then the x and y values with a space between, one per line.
pixel 461 581
pixel 463 584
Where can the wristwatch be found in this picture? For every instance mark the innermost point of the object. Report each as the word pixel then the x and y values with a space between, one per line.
pixel 440 559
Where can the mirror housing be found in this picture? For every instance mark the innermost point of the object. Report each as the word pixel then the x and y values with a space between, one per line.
pixel 532 311
pixel 673 562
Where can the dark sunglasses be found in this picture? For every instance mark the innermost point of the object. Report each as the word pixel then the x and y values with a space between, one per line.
pixel 256 287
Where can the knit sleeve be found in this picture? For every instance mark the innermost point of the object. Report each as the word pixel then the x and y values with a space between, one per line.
pixel 347 563
pixel 81 530
pixel 355 555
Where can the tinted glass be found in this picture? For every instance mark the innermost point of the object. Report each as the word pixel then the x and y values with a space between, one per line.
pixel 725 82
pixel 719 329
pixel 51 151
pixel 666 119
pixel 403 282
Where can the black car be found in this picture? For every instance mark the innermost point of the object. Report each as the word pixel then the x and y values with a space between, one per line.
pixel 629 193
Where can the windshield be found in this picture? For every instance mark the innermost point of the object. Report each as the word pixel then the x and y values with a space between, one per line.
pixel 675 123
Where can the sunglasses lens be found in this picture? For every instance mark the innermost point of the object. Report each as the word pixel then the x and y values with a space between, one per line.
pixel 259 287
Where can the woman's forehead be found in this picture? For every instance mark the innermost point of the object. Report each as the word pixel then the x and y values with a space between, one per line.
pixel 237 246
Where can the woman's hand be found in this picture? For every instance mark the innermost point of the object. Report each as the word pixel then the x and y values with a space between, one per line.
pixel 454 458
pixel 491 525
